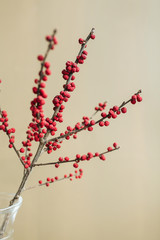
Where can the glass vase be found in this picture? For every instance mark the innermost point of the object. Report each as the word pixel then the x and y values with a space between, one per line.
pixel 7 215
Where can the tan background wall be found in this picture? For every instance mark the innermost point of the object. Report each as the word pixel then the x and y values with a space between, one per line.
pixel 117 199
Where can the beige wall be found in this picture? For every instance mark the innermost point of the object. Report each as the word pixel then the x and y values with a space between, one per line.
pixel 117 199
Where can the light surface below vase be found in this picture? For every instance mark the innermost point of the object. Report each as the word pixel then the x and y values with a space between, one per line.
pixel 7 215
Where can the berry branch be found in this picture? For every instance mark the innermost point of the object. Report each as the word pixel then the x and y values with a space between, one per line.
pixel 41 127
pixel 77 175
pixel 4 121
pixel 71 68
pixel 79 158
pixel 112 114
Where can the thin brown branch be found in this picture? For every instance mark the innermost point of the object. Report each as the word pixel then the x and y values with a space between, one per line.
pixel 74 160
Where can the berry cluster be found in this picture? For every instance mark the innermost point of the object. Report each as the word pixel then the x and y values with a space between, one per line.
pixel 77 175
pixel 101 106
pixel 4 127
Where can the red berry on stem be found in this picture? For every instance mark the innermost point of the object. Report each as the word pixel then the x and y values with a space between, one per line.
pixel 102 157
pixel 92 122
pixel 124 110
pixel 96 154
pixel 49 38
pixel 40 57
pixel 75 165
pixel 47 64
pixel 101 124
pixel 26 166
pixel 115 145
pixel 22 150
pixel 66 159
pixel 106 123
pixel 109 149
pixel 90 128
pixel 57 165
pixel 80 40
pixel 48 71
pixel 139 98
pixel 133 101
pixel 93 36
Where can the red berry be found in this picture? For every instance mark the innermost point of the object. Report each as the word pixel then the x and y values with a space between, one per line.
pixel 102 157
pixel 26 166
pixel 101 123
pixel 78 156
pixel 34 90
pixel 109 149
pixel 114 116
pixel 124 110
pixel 66 159
pixel 55 40
pixel 118 112
pixel 139 98
pixel 133 101
pixel 47 64
pixel 73 77
pixel 11 140
pixel 75 165
pixel 47 184
pixel 60 159
pixel 40 181
pixel 22 150
pixel 93 36
pixel 92 122
pixel 134 97
pixel 115 145
pixel 44 78
pixel 42 85
pixel 83 157
pixel 40 57
pixel 48 71
pixel 49 38
pixel 103 114
pixel 57 165
pixel 90 129
pixel 80 40
pixel 106 123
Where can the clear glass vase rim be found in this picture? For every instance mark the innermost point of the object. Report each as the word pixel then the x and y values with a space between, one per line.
pixel 16 204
